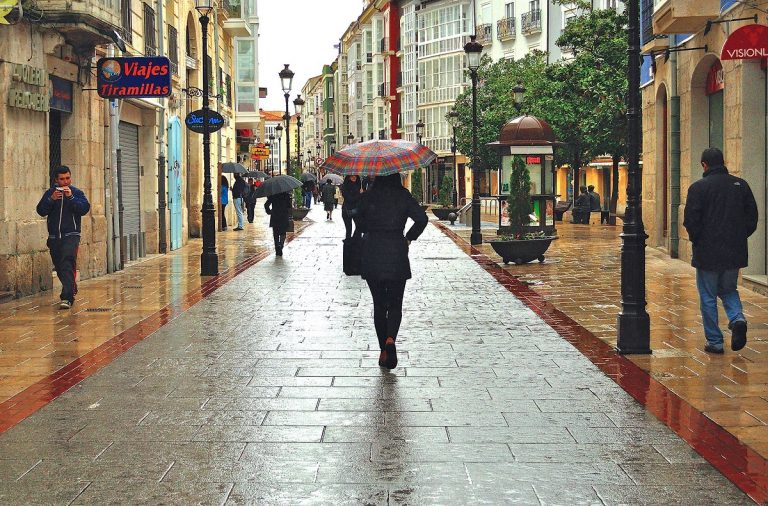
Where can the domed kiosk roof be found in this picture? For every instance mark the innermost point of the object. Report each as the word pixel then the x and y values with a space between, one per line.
pixel 526 131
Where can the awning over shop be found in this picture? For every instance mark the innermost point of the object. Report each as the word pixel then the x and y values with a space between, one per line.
pixel 245 132
pixel 747 43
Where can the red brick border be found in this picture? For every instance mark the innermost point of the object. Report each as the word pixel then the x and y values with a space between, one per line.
pixel 746 468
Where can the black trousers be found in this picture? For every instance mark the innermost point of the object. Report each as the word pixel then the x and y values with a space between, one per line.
pixel 64 257
pixel 251 210
pixel 224 216
pixel 387 307
pixel 348 219
pixel 279 237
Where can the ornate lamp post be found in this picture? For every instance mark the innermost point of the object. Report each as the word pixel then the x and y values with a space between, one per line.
pixel 473 50
pixel 419 131
pixel 271 156
pixel 286 81
pixel 453 120
pixel 634 324
pixel 518 95
pixel 298 106
pixel 209 260
pixel 279 132
pixel 350 138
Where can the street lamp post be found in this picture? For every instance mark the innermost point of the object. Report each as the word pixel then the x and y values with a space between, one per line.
pixel 286 81
pixel 473 50
pixel 453 120
pixel 271 156
pixel 634 324
pixel 298 106
pixel 209 260
pixel 419 136
pixel 279 132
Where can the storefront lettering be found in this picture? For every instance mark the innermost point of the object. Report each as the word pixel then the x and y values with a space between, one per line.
pixel 29 75
pixel 747 54
pixel 28 100
pixel 747 43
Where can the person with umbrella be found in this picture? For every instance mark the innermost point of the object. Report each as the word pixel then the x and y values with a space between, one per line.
pixel 382 215
pixel 278 206
pixel 224 201
pixel 351 192
pixel 307 187
pixel 250 200
pixel 329 198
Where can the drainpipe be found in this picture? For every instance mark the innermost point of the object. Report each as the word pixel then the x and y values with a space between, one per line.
pixel 161 176
pixel 215 71
pixel 114 121
pixel 674 160
pixel 108 190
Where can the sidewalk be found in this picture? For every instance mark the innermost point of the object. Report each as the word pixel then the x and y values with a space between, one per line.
pixel 267 391
pixel 38 339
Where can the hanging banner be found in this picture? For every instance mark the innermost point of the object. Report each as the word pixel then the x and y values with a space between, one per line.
pixel 135 77
pixel 747 43
pixel 195 121
pixel 715 79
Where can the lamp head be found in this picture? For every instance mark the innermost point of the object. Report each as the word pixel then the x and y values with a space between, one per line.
pixel 350 138
pixel 420 128
pixel 279 131
pixel 473 50
pixel 286 78
pixel 298 104
pixel 453 118
pixel 518 93
pixel 204 7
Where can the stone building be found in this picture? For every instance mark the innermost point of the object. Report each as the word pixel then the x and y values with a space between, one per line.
pixel 52 115
pixel 695 97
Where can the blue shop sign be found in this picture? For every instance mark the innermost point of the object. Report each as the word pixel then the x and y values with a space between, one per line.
pixel 60 94
pixel 195 121
pixel 135 77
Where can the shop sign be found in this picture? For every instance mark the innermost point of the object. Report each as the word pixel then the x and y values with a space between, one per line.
pixel 135 77
pixel 195 121
pixel 23 99
pixel 259 151
pixel 715 79
pixel 60 94
pixel 747 43
pixel 532 160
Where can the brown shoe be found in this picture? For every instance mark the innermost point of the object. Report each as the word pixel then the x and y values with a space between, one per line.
pixel 382 358
pixel 391 351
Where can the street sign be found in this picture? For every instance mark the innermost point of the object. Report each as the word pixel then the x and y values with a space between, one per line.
pixel 195 121
pixel 319 161
pixel 134 77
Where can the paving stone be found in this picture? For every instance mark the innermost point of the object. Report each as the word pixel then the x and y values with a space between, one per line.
pixel 385 433
pixel 152 493
pixel 331 495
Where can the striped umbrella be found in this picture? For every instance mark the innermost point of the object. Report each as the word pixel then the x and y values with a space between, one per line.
pixel 378 158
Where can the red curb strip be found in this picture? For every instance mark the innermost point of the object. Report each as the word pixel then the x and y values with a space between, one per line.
pixel 31 399
pixel 742 465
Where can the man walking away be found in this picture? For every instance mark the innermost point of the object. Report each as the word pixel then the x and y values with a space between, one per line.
pixel 720 214
pixel 329 199
pixel 238 192
pixel 308 187
pixel 594 202
pixel 64 205
pixel 278 207
pixel 250 201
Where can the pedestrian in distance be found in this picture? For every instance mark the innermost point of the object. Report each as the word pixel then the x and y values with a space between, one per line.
pixel 307 188
pixel 238 194
pixel 63 205
pixel 224 201
pixel 316 193
pixel 329 199
pixel 594 201
pixel 351 192
pixel 278 207
pixel 720 214
pixel 582 207
pixel 250 201
pixel 382 215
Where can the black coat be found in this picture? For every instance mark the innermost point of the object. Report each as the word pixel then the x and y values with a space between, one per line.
pixel 720 214
pixel 278 207
pixel 594 201
pixel 239 188
pixel 583 203
pixel 351 193
pixel 382 214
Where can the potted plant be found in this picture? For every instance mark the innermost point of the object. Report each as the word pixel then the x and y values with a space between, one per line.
pixel 298 211
pixel 417 187
pixel 520 246
pixel 445 197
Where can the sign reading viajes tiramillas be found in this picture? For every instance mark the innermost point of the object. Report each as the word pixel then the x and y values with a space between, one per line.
pixel 135 77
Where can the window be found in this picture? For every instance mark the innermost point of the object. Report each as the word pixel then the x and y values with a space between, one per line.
pixel 534 5
pixel 509 10
pixel 173 49
pixel 150 32
pixel 125 17
pixel 245 67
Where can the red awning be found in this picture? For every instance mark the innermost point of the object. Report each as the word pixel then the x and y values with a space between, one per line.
pixel 747 43
pixel 245 132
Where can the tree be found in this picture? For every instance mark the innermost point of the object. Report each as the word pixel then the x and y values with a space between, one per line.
pixel 417 187
pixel 519 199
pixel 445 197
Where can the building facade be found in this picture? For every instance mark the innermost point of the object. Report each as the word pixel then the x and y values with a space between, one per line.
pixel 694 99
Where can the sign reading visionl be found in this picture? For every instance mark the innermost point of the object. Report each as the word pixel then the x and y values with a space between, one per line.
pixel 747 43
pixel 134 77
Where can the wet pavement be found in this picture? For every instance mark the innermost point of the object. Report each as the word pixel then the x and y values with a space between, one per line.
pixel 267 391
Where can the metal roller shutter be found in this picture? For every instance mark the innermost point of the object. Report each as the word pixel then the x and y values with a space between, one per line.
pixel 129 182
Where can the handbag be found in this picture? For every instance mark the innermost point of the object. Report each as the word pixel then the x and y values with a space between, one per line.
pixel 353 254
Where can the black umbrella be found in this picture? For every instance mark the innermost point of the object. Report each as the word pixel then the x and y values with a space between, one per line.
pixel 235 168
pixel 257 174
pixel 308 176
pixel 277 184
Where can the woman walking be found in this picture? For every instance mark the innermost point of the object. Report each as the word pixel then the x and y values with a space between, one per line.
pixel 351 192
pixel 329 198
pixel 278 207
pixel 224 201
pixel 382 215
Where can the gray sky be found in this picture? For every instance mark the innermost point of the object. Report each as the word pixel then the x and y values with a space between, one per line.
pixel 301 33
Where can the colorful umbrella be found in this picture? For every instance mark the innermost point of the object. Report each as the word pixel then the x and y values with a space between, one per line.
pixel 378 158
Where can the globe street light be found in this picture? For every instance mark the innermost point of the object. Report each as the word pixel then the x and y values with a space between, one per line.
pixel 298 106
pixel 453 120
pixel 279 133
pixel 209 260
pixel 420 131
pixel 286 81
pixel 473 50
pixel 634 324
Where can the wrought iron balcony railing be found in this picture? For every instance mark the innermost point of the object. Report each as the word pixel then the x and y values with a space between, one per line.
pixel 505 29
pixel 530 22
pixel 484 33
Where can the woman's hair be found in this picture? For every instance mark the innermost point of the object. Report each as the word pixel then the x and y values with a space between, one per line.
pixel 224 180
pixel 390 180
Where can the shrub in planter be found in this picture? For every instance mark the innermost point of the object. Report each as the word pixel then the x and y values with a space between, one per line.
pixel 417 186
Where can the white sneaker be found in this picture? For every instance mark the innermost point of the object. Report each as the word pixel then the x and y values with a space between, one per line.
pixel 65 304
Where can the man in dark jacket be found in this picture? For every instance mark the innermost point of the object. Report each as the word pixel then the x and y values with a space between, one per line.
pixel 64 205
pixel 307 188
pixel 238 193
pixel 250 201
pixel 582 207
pixel 278 207
pixel 720 214
pixel 594 201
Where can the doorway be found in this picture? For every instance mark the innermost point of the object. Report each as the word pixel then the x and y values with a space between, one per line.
pixel 174 181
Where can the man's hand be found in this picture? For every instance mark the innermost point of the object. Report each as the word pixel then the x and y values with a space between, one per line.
pixel 56 195
pixel 67 191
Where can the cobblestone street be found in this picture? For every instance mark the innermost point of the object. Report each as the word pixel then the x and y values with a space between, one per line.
pixel 267 391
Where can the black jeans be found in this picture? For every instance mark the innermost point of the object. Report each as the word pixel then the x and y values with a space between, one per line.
pixel 279 237
pixel 224 216
pixel 348 222
pixel 387 307
pixel 251 208
pixel 64 256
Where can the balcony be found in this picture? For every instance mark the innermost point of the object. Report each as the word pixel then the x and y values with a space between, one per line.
pixel 684 16
pixel 84 23
pixel 237 27
pixel 505 29
pixel 484 33
pixel 530 22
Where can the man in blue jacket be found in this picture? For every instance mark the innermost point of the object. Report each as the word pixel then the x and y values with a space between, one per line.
pixel 63 205
pixel 720 214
